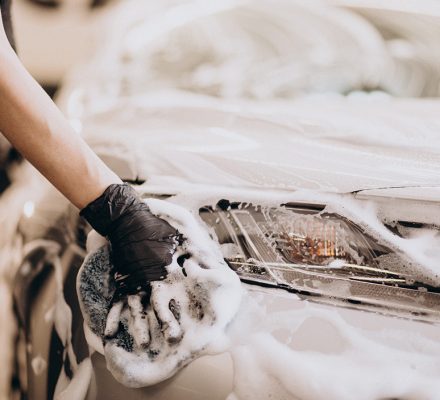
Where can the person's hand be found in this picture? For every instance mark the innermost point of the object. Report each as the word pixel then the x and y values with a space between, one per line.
pixel 142 245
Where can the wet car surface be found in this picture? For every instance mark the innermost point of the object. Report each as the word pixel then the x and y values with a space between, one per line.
pixel 326 206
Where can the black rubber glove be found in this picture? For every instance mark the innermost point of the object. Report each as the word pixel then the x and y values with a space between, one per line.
pixel 142 244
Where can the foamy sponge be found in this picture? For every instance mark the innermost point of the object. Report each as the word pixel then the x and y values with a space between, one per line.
pixel 188 312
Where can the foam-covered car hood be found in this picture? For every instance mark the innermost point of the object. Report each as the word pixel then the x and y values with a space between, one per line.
pixel 334 144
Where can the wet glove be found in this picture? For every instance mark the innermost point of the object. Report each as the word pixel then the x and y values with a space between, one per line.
pixel 142 244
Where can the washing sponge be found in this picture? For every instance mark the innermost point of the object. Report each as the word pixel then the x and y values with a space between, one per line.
pixel 146 338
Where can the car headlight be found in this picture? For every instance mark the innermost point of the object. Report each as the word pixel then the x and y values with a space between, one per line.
pixel 321 256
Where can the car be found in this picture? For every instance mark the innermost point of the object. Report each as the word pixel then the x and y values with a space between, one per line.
pixel 325 205
pixel 298 230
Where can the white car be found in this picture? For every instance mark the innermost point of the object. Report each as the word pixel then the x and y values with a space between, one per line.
pixel 327 207
pixel 335 241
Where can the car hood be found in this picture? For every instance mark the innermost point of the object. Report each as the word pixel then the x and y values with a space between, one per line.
pixel 328 143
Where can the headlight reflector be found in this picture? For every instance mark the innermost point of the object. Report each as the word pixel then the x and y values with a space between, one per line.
pixel 318 255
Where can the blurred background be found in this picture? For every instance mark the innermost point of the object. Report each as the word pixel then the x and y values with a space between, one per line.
pixel 92 54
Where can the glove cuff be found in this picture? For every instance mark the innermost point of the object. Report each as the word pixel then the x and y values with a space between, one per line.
pixel 116 200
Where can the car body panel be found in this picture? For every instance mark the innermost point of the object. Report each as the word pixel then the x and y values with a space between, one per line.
pixel 211 377
pixel 202 145
pixel 207 377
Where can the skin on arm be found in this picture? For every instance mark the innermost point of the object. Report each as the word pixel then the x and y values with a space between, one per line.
pixel 38 130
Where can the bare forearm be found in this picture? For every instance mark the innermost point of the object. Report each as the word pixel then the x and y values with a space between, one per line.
pixel 34 125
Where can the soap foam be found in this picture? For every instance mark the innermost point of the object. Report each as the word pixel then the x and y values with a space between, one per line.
pixel 365 365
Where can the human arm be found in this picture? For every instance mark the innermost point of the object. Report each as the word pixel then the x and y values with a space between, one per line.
pixel 39 131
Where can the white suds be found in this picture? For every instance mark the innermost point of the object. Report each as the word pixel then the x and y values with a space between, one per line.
pixel 310 353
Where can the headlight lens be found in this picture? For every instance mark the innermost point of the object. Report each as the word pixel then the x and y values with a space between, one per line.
pixel 318 255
